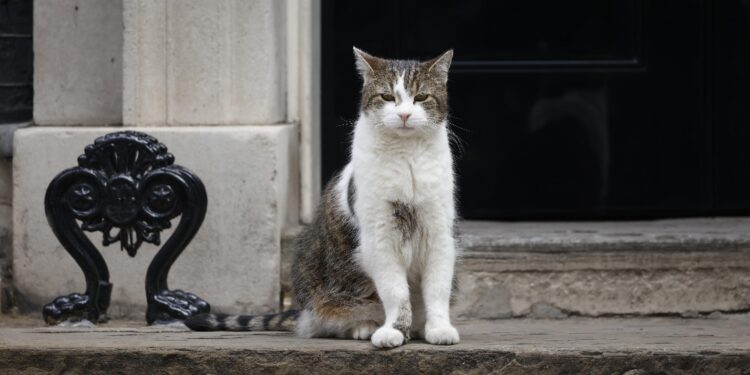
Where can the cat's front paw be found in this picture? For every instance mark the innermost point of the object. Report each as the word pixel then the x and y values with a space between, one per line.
pixel 364 330
pixel 387 337
pixel 442 335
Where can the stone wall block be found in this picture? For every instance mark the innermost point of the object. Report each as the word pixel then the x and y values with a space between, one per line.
pixel 195 62
pixel 6 230
pixel 78 62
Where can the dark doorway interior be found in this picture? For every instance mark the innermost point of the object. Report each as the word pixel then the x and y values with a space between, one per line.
pixel 16 61
pixel 581 109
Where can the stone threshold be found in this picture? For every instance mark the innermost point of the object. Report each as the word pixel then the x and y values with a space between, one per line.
pixel 557 269
pixel 694 234
pixel 535 346
pixel 609 245
pixel 501 240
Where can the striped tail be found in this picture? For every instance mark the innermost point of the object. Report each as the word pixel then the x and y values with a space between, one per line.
pixel 284 321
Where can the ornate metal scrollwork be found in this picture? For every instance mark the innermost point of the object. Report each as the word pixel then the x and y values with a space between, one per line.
pixel 126 186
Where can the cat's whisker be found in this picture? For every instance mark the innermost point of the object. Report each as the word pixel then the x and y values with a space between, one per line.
pixel 456 140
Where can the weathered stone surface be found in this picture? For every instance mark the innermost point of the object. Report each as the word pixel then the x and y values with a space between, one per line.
pixel 551 270
pixel 543 310
pixel 6 230
pixel 288 239
pixel 194 62
pixel 6 138
pixel 657 267
pixel 234 260
pixel 513 346
pixel 159 63
pixel 6 200
pixel 603 292
pixel 78 62
pixel 682 235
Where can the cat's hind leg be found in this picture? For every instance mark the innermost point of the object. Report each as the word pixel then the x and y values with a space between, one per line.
pixel 312 325
pixel 357 323
pixel 364 329
pixel 365 320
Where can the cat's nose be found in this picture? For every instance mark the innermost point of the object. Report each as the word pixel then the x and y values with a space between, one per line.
pixel 404 116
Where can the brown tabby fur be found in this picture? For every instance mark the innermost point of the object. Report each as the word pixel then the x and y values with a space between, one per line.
pixel 419 78
pixel 327 279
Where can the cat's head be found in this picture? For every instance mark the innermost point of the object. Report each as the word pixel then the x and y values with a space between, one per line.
pixel 404 97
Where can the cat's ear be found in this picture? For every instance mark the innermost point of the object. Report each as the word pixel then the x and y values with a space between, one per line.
pixel 440 64
pixel 366 64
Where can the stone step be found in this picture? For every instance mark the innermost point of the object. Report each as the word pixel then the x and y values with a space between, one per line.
pixel 515 346
pixel 557 269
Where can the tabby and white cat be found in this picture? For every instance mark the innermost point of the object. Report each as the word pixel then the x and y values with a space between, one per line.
pixel 378 261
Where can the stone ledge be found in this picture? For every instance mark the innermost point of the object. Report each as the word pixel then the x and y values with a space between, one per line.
pixel 676 235
pixel 682 267
pixel 578 345
pixel 661 244
pixel 557 269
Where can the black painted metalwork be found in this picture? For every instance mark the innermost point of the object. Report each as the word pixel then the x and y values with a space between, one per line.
pixel 126 186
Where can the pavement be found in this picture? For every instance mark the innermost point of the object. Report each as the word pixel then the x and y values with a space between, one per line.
pixel 640 345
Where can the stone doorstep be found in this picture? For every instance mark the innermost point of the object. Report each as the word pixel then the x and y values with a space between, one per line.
pixel 539 346
pixel 557 269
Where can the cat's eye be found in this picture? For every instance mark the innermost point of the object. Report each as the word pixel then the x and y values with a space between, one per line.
pixel 421 97
pixel 388 97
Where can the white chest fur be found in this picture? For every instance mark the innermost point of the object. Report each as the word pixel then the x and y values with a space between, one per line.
pixel 414 170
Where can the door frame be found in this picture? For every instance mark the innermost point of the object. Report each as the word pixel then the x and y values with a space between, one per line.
pixel 303 29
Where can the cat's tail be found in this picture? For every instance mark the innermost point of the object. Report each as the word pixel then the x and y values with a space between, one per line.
pixel 284 321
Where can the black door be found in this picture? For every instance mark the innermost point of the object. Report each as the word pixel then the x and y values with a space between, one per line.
pixel 16 61
pixel 569 109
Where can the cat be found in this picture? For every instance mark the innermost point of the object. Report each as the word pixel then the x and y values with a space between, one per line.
pixel 378 261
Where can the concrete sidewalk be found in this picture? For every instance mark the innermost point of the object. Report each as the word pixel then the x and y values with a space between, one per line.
pixel 718 345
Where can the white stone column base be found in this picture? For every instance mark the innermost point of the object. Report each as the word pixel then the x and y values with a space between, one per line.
pixel 234 260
